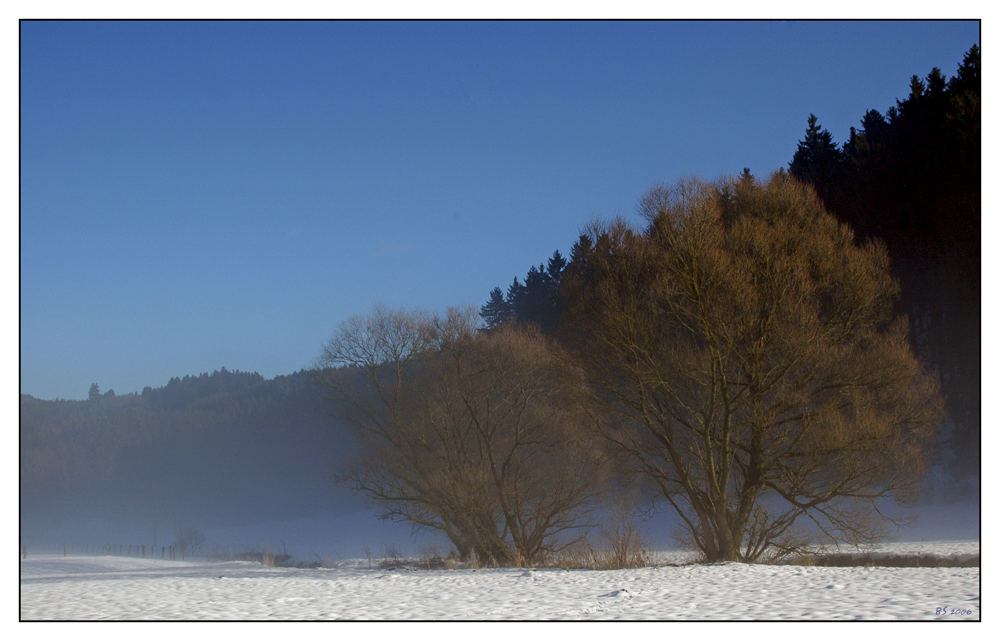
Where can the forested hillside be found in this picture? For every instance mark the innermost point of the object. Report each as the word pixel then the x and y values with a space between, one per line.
pixel 224 448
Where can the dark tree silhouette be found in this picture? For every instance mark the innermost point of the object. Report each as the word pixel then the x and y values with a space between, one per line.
pixel 817 159
pixel 535 302
pixel 496 311
pixel 912 179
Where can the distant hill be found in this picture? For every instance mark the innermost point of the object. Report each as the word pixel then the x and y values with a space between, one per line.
pixel 218 449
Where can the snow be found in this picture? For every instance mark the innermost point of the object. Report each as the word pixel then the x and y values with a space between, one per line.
pixel 119 588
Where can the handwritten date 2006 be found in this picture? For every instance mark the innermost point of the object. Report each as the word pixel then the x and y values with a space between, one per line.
pixel 951 611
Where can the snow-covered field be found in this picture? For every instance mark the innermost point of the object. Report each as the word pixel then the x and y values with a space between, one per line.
pixel 116 588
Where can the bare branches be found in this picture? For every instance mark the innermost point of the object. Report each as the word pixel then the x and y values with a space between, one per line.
pixel 480 436
pixel 749 344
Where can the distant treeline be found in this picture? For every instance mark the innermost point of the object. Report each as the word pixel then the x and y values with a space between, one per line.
pixel 227 444
pixel 910 178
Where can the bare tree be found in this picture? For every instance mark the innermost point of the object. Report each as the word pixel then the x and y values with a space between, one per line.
pixel 480 436
pixel 747 349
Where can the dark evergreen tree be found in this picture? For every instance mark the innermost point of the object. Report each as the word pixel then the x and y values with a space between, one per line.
pixel 533 306
pixel 514 295
pixel 555 267
pixel 817 159
pixel 554 270
pixel 580 253
pixel 496 311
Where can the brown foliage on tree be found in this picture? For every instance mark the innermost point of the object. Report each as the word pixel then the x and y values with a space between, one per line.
pixel 746 347
pixel 478 435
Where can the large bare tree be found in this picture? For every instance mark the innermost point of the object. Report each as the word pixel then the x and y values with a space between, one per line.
pixel 746 346
pixel 478 435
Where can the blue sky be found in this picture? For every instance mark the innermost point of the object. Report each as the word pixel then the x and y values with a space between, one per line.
pixel 198 195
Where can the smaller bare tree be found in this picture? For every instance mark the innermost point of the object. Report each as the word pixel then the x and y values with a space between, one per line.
pixel 478 435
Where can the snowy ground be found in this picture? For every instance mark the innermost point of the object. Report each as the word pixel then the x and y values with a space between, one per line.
pixel 77 588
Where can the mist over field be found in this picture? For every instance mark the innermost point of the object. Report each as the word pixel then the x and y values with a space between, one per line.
pixel 248 463
pixel 230 455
